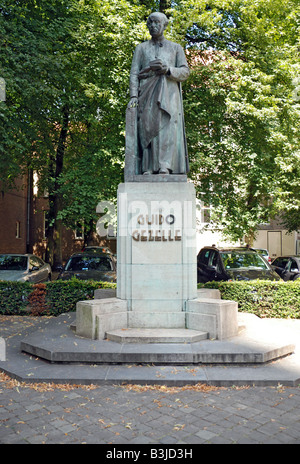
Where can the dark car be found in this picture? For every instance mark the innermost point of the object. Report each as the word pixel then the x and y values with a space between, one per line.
pixel 287 267
pixel 232 264
pixel 24 267
pixel 90 266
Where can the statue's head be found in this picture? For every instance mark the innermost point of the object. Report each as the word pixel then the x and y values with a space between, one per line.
pixel 157 23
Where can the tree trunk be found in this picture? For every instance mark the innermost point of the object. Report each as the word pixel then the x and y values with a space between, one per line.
pixel 249 239
pixel 89 234
pixel 54 249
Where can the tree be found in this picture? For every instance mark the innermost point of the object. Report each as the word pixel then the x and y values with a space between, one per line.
pixel 65 65
pixel 241 118
pixel 95 164
pixel 36 65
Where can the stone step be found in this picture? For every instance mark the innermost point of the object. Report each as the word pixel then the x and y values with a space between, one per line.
pixel 156 335
pixel 213 293
pixel 259 343
pixel 102 293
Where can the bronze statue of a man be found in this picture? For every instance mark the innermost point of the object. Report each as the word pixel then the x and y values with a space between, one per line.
pixel 158 68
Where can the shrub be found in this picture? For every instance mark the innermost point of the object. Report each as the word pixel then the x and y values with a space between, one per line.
pixel 263 298
pixel 37 300
pixel 14 297
pixel 51 298
pixel 63 295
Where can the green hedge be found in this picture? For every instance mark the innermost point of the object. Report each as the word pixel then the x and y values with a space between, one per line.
pixel 263 298
pixel 14 297
pixel 51 298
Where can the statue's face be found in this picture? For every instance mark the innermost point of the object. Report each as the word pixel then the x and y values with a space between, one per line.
pixel 156 25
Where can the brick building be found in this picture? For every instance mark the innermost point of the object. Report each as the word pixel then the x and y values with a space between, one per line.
pixel 23 223
pixel 14 220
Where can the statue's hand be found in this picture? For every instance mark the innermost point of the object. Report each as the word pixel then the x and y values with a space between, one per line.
pixel 158 67
pixel 163 70
pixel 155 65
pixel 133 103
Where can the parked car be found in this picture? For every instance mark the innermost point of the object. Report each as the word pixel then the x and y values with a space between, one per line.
pixel 99 249
pixel 232 264
pixel 287 267
pixel 90 266
pixel 24 267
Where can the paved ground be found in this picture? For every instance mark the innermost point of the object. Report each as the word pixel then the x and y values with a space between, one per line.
pixel 120 415
pixel 135 415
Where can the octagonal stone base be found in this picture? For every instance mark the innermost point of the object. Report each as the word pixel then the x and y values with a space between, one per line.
pixel 257 344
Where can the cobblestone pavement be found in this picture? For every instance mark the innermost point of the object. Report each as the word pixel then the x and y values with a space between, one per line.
pixel 143 415
pixel 135 415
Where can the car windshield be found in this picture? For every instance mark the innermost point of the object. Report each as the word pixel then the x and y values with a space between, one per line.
pixel 13 263
pixel 238 260
pixel 88 263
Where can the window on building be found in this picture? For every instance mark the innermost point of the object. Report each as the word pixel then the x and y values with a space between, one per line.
pixel 79 231
pixel 18 229
pixel 45 224
pixel 203 213
pixel 35 183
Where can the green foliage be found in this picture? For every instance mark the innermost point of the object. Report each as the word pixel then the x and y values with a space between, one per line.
pixel 241 112
pixel 51 298
pixel 66 66
pixel 105 39
pixel 62 296
pixel 263 298
pixel 14 297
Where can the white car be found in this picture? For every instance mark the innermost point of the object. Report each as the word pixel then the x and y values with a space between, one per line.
pixel 24 267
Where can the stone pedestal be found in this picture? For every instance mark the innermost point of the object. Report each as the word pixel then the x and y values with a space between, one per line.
pixel 94 318
pixel 156 271
pixel 217 317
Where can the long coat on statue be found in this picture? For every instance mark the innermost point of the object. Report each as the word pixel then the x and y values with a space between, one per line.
pixel 160 124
